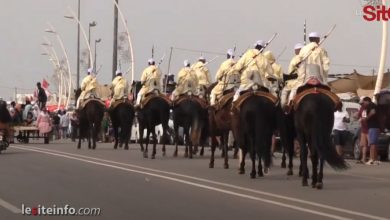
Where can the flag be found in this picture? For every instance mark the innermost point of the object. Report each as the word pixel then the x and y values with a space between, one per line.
pixel 45 84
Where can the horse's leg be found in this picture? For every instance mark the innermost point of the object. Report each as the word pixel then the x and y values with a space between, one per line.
pixel 176 139
pixel 290 150
pixel 305 173
pixel 242 154
pixel 141 136
pixel 213 147
pixel 79 143
pixel 147 143
pixel 225 136
pixel 116 136
pixel 252 153
pixel 314 162
pixel 154 143
pixel 164 138
pixel 187 141
pixel 320 185
pixel 89 135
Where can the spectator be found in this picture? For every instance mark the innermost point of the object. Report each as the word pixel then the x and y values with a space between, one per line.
pixel 27 109
pixel 42 97
pixel 340 129
pixel 362 114
pixel 64 124
pixel 44 123
pixel 105 127
pixel 373 132
pixel 74 122
pixel 56 125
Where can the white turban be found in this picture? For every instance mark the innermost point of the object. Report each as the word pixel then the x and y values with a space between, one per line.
pixel 314 34
pixel 90 70
pixel 260 43
pixel 202 58
pixel 117 72
pixel 298 46
pixel 151 60
pixel 186 62
pixel 230 52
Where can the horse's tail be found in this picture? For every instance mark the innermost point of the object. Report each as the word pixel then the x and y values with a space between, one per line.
pixel 321 140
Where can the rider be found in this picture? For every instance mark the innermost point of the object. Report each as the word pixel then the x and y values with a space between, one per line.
pixel 254 69
pixel 187 81
pixel 88 87
pixel 202 72
pixel 224 71
pixel 278 72
pixel 317 62
pixel 150 80
pixel 290 82
pixel 119 87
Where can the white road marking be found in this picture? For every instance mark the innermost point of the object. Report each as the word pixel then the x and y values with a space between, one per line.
pixel 193 184
pixel 306 202
pixel 10 207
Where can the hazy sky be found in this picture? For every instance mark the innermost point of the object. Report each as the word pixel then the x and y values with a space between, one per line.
pixel 202 24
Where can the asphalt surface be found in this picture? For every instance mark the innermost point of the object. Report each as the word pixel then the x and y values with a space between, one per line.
pixel 124 185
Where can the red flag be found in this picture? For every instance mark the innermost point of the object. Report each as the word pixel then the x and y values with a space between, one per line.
pixel 45 84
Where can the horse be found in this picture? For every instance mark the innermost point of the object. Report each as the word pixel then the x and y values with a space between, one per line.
pixel 256 121
pixel 154 112
pixel 383 109
pixel 220 124
pixel 122 116
pixel 313 120
pixel 91 116
pixel 189 113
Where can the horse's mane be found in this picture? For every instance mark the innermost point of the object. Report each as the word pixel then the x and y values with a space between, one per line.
pixel 5 117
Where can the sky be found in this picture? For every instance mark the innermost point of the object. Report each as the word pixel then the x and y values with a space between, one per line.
pixel 200 25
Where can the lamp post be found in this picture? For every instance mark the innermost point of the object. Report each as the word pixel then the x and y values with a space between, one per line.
pixel 96 42
pixel 52 31
pixel 117 8
pixel 56 66
pixel 73 17
pixel 91 24
pixel 382 62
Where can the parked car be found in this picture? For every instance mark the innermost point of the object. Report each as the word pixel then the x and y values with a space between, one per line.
pixel 352 148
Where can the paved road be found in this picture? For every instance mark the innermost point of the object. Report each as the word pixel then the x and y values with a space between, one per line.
pixel 126 186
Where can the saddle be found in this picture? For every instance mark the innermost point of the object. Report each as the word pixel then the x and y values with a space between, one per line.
pixel 237 104
pixel 120 101
pixel 224 100
pixel 202 102
pixel 152 95
pixel 306 90
pixel 85 102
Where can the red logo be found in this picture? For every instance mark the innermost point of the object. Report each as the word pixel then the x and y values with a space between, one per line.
pixel 376 13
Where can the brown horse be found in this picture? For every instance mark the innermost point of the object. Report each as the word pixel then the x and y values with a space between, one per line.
pixel 220 124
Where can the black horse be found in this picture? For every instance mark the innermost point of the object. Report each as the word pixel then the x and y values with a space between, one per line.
pixel 383 109
pixel 155 112
pixel 192 116
pixel 90 116
pixel 256 121
pixel 313 120
pixel 122 116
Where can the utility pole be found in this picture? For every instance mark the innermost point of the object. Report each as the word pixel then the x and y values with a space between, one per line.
pixel 78 47
pixel 115 45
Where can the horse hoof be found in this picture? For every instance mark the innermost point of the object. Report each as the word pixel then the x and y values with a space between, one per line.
pixel 211 165
pixel 127 148
pixel 266 171
pixel 319 185
pixel 241 171
pixel 261 174
pixel 164 154
pixel 190 157
pixel 153 157
pixel 235 156
pixel 185 155
pixel 313 185
pixel 226 166
pixel 283 165
pixel 253 175
pixel 305 183
pixel 78 147
pixel 289 173
pixel 145 154
pixel 115 147
pixel 175 154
